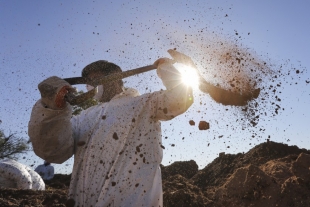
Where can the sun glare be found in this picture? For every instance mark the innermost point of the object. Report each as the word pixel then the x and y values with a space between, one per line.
pixel 189 76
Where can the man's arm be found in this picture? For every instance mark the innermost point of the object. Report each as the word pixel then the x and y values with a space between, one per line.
pixel 49 127
pixel 50 133
pixel 177 98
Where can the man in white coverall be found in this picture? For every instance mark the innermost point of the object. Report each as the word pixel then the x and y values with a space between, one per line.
pixel 117 144
pixel 46 171
pixel 16 175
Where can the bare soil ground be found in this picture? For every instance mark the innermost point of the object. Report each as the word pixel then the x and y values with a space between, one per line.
pixel 270 174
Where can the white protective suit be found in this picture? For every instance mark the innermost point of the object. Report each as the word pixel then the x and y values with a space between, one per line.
pixel 117 146
pixel 16 175
pixel 45 171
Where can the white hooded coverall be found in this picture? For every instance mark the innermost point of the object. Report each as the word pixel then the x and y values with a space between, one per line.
pixel 45 171
pixel 117 146
pixel 16 175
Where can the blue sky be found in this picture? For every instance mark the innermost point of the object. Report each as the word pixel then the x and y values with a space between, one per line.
pixel 40 39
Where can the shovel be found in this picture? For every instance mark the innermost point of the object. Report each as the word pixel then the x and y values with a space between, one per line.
pixel 218 94
pixel 76 100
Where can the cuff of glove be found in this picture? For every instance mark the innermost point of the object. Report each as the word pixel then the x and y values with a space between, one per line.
pixel 60 101
pixel 170 76
pixel 57 102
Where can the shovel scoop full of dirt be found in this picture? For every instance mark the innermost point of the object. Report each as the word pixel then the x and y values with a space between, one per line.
pixel 227 97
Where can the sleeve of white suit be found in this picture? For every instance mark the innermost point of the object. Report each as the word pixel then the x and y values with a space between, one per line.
pixel 50 132
pixel 176 99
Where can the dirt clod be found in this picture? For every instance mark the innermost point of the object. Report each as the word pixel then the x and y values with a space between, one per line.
pixel 81 143
pixel 203 125
pixel 115 136
pixel 192 123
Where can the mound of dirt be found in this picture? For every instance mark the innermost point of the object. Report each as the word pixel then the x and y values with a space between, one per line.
pixel 270 174
pixel 49 197
pixel 59 181
pixel 222 167
pixel 187 169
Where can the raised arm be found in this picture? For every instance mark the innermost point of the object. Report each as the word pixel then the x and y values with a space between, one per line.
pixel 49 128
pixel 177 97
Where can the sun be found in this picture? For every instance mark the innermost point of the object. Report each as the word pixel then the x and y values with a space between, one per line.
pixel 189 75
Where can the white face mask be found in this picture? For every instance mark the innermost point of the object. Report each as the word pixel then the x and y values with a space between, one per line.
pixel 99 91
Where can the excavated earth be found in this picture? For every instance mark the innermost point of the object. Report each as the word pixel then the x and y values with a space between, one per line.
pixel 270 174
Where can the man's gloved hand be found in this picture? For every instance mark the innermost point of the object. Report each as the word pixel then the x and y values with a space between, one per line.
pixel 53 91
pixel 170 76
pixel 162 61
